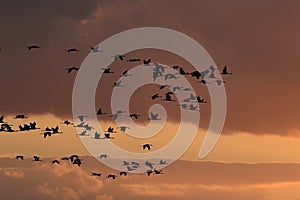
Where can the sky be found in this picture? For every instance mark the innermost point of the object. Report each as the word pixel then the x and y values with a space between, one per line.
pixel 257 40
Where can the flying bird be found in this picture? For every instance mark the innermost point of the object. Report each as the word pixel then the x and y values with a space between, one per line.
pixel 199 100
pixel 133 115
pixel 19 157
pixel 225 70
pixel 36 158
pixel 1 119
pixel 154 116
pixel 120 57
pixel 70 69
pixel 133 60
pixel 147 146
pixel 168 97
pixel 29 47
pixel 99 112
pixel 72 50
pixel 95 174
pixel 20 116
pixel 66 122
pixel 123 128
pixel 55 162
pixel 123 173
pixel 147 62
pixel 155 96
pixel 111 176
pixel 77 161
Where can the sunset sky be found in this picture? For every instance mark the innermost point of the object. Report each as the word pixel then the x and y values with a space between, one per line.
pixel 256 156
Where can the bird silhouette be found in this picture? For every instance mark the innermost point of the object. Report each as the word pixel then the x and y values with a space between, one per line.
pixel 148 164
pixel 176 67
pixel 65 158
pixel 55 130
pixel 107 71
pixel 29 47
pixel 72 50
pixel 97 135
pixel 123 173
pixel 95 174
pixel 96 49
pixel 20 116
pixel 133 115
pixel 105 156
pixel 73 157
pixel 225 70
pixel 117 83
pixel 130 168
pixel 147 62
pixel 107 136
pixel 155 96
pixel 157 171
pixel 120 57
pixel 123 128
pixel 55 162
pixel 163 162
pixel 147 146
pixel 1 119
pixel 33 126
pixel 19 157
pixel 99 112
pixel 170 76
pixel 196 74
pixel 81 117
pixel 219 82
pixel 66 122
pixel 110 130
pixel 113 176
pixel 77 161
pixel 70 69
pixel 47 133
pixel 168 97
pixel 149 172
pixel 125 73
pixel 199 100
pixel 181 71
pixel 154 116
pixel 36 158
pixel 176 88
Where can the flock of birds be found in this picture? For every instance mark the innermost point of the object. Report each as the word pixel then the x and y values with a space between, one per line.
pixel 158 71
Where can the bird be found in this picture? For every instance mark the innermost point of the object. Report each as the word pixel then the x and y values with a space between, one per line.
pixel 36 158
pixel 95 174
pixel 149 164
pixel 107 136
pixel 219 82
pixel 125 73
pixel 47 133
pixel 99 112
pixel 1 119
pixel 225 70
pixel 133 60
pixel 81 117
pixel 33 126
pixel 107 71
pixel 147 146
pixel 117 84
pixel 154 116
pixel 55 130
pixel 175 67
pixel 110 130
pixel 111 176
pixel 104 156
pixel 65 158
pixel 170 76
pixel 155 96
pixel 168 97
pixel 123 128
pixel 181 71
pixel 73 157
pixel 176 88
pixel 72 50
pixel 19 157
pixel 163 162
pixel 70 69
pixel 203 82
pixel 123 173
pixel 147 62
pixel 157 171
pixel 20 116
pixel 149 172
pixel 55 162
pixel 133 115
pixel 199 100
pixel 196 74
pixel 97 135
pixel 96 49
pixel 77 161
pixel 130 168
pixel 66 122
pixel 29 47
pixel 120 57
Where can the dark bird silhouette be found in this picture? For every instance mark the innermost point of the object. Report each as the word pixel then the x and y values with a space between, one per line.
pixel 36 158
pixel 95 174
pixel 133 60
pixel 123 173
pixel 157 171
pixel 163 162
pixel 110 130
pixel 6 127
pixel 47 133
pixel 1 119
pixel 123 128
pixel 55 130
pixel 154 116
pixel 19 157
pixel 181 71
pixel 120 57
pixel 73 157
pixel 55 162
pixel 26 127
pixel 65 158
pixel 199 100
pixel 70 69
pixel 66 122
pixel 77 161
pixel 149 172
pixel 107 71
pixel 175 67
pixel 125 73
pixel 169 97
pixel 81 117
pixel 105 156
pixel 72 50
pixel 133 115
pixel 196 74
pixel 107 136
pixel 149 164
pixel 99 112
pixel 155 96
pixel 203 82
pixel 147 62
pixel 111 176
pixel 20 116
pixel 147 146
pixel 117 83
pixel 33 126
pixel 225 70
pixel 29 47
